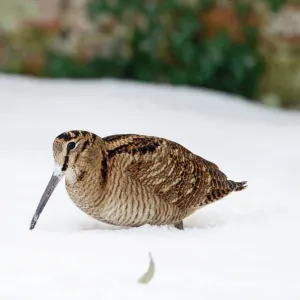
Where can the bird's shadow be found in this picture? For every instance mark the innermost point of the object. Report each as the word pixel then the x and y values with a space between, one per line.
pixel 200 220
pixel 97 225
pixel 204 220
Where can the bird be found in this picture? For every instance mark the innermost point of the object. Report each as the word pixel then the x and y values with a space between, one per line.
pixel 133 180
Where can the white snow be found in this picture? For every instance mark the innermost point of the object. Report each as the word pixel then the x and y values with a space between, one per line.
pixel 244 247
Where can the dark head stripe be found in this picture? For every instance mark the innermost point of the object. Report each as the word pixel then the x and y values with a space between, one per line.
pixel 65 136
pixel 86 143
pixel 65 165
pixel 69 135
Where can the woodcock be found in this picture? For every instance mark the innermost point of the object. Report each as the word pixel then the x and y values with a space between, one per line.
pixel 132 180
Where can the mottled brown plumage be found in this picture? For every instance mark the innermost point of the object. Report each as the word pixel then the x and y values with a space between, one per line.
pixel 132 180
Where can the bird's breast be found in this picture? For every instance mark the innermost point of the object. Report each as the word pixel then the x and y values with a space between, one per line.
pixel 85 190
pixel 121 201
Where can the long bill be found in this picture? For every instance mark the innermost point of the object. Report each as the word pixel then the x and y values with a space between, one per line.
pixel 54 180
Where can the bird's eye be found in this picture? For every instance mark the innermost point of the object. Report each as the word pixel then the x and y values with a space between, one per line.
pixel 71 146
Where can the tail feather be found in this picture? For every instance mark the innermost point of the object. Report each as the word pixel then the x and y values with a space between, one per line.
pixel 218 193
pixel 237 186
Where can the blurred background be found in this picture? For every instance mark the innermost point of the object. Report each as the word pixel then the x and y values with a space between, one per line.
pixel 248 48
pixel 244 247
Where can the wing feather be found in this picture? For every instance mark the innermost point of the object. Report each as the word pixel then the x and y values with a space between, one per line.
pixel 172 172
pixel 176 175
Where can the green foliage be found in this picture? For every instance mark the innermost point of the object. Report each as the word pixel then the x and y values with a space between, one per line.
pixel 167 43
pixel 275 5
pixel 61 66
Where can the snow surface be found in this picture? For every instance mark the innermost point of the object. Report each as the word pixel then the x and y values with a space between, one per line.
pixel 244 247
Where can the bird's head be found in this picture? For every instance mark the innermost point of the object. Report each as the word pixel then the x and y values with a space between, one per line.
pixel 71 149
